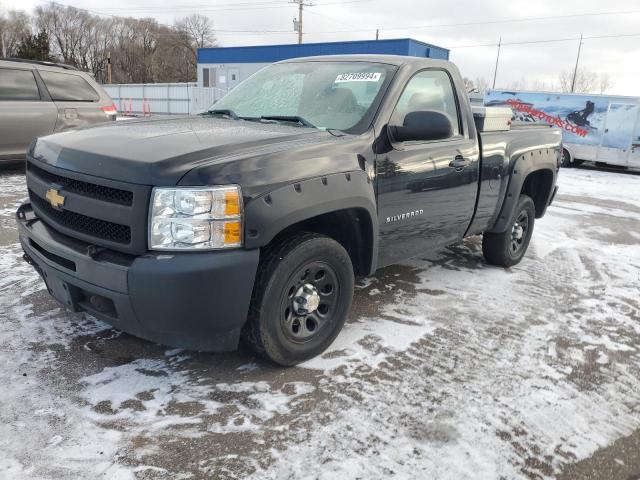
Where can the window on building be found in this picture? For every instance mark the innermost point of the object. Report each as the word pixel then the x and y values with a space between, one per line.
pixel 18 85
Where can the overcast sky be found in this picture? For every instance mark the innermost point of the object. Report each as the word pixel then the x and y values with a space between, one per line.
pixel 270 21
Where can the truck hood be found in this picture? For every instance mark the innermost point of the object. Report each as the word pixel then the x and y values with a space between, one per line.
pixel 162 151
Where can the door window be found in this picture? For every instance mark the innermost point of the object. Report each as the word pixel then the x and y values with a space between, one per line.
pixel 65 87
pixel 18 85
pixel 428 90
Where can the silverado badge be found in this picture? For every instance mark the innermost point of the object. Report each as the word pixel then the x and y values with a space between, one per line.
pixel 55 198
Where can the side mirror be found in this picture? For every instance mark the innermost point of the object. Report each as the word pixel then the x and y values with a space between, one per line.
pixel 422 126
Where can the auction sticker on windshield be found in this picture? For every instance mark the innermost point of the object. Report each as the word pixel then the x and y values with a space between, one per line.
pixel 358 77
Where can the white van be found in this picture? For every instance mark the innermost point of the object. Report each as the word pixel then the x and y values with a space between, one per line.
pixel 598 128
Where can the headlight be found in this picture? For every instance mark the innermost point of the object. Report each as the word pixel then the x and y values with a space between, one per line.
pixel 190 218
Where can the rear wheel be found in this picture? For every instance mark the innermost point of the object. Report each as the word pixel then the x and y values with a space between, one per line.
pixel 507 248
pixel 567 161
pixel 301 298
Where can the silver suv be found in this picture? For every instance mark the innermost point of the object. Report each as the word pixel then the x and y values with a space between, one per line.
pixel 39 98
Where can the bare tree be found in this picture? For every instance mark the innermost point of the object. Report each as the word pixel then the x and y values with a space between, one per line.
pixel 68 28
pixel 482 85
pixel 469 86
pixel 141 50
pixel 198 30
pixel 193 32
pixel 544 85
pixel 14 28
pixel 605 84
pixel 521 84
pixel 586 81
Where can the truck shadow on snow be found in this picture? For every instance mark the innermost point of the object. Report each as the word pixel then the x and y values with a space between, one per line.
pixel 112 348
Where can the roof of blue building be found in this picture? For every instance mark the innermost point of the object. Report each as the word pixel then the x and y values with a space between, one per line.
pixel 275 53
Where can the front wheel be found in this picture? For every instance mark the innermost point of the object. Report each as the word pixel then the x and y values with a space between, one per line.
pixel 301 298
pixel 507 248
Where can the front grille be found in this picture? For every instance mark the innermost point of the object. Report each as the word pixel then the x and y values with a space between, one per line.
pixel 91 190
pixel 99 211
pixel 112 232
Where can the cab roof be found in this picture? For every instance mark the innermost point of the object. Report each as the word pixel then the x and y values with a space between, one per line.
pixel 396 60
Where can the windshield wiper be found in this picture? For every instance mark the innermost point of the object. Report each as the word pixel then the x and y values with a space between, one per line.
pixel 224 111
pixel 289 118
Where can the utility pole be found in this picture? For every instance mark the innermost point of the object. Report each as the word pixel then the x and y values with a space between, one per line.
pixel 300 9
pixel 575 70
pixel 109 67
pixel 495 72
pixel 297 23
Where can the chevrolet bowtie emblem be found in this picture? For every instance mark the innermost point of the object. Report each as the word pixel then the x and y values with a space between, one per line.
pixel 54 198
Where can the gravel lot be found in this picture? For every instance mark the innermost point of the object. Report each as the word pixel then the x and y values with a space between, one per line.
pixel 448 369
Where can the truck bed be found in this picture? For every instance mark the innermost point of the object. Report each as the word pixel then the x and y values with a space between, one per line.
pixel 500 152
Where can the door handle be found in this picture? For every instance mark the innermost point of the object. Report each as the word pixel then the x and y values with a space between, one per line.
pixel 459 162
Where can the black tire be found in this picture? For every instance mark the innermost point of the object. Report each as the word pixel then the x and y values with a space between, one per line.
pixel 566 159
pixel 275 328
pixel 507 249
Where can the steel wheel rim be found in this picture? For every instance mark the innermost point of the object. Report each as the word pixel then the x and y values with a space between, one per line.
pixel 519 232
pixel 303 327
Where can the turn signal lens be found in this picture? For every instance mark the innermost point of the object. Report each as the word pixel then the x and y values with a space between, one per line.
pixel 232 203
pixel 232 233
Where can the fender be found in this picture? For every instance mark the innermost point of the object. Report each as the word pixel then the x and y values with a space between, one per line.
pixel 271 213
pixel 524 164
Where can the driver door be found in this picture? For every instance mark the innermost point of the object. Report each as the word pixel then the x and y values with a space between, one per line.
pixel 426 190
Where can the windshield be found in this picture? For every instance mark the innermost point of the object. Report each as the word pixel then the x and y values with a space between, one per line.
pixel 327 95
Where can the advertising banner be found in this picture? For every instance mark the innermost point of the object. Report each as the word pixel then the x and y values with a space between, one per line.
pixel 581 117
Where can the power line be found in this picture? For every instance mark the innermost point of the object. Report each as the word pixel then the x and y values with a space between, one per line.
pixel 462 24
pixel 511 20
pixel 196 6
pixel 221 7
pixel 264 4
pixel 483 22
pixel 552 40
pixel 526 42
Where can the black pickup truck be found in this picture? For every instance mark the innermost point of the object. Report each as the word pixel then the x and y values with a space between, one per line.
pixel 251 220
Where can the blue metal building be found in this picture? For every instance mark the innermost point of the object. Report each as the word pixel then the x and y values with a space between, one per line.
pixel 225 67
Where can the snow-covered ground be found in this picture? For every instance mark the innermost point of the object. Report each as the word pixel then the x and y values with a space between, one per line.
pixel 447 369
